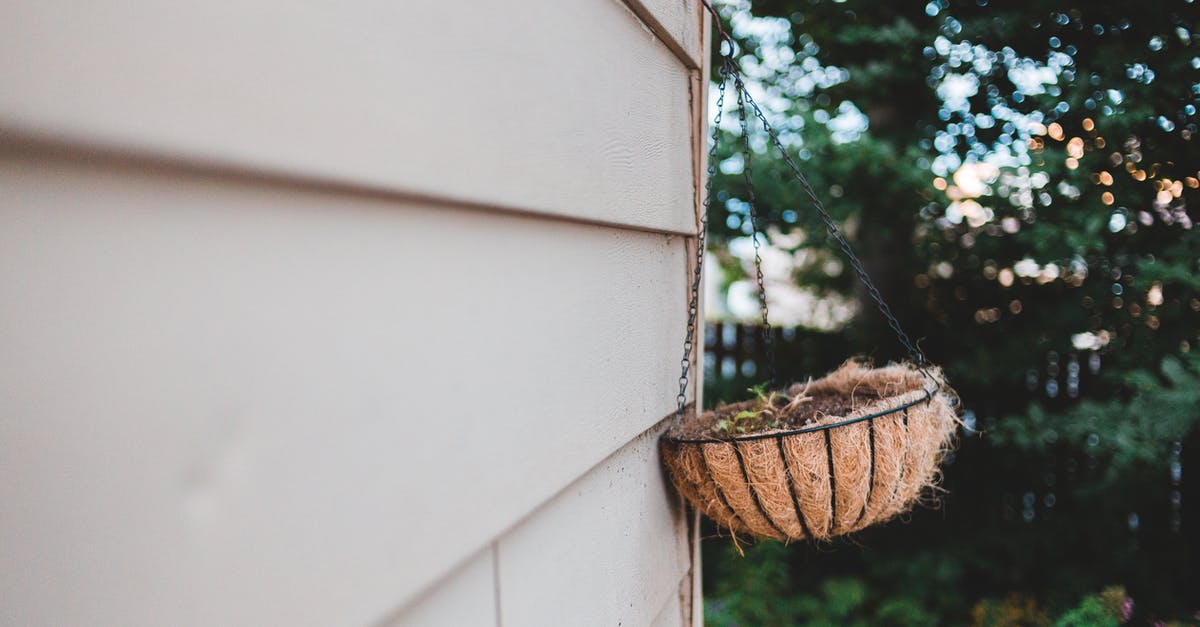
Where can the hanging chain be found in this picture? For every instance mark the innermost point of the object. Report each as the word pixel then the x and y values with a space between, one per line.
pixel 768 338
pixel 698 274
pixel 914 353
pixel 729 69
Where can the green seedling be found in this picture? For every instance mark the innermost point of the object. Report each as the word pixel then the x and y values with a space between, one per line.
pixel 767 413
pixel 764 414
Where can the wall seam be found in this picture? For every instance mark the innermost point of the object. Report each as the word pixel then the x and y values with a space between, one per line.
pixel 652 23
pixel 496 582
pixel 152 163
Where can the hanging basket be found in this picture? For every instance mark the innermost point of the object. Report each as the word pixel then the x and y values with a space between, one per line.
pixel 855 448
pixel 869 450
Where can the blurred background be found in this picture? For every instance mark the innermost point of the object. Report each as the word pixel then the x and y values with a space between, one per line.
pixel 1040 157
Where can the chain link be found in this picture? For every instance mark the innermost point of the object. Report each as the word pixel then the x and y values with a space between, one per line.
pixel 748 176
pixel 729 69
pixel 914 353
pixel 702 237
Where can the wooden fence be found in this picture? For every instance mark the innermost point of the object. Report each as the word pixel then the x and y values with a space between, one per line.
pixel 734 350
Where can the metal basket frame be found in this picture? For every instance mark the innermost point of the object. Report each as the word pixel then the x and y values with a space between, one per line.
pixel 779 437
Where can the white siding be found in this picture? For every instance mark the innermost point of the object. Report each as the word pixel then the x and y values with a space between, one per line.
pixel 615 543
pixel 466 598
pixel 278 347
pixel 678 24
pixel 562 106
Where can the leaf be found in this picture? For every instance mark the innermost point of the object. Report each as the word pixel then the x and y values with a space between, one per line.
pixel 760 391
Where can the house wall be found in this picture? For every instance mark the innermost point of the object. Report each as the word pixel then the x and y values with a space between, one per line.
pixel 345 313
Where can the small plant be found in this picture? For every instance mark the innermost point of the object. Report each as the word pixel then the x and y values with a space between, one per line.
pixel 767 413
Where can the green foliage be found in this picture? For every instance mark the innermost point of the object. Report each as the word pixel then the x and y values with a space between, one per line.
pixel 1065 310
pixel 765 413
pixel 850 602
pixel 1110 608
pixel 1090 613
pixel 761 394
pixel 757 594
pixel 1107 609
pixel 756 590
pixel 1128 435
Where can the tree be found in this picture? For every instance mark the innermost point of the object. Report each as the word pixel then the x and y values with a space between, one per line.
pixel 1022 181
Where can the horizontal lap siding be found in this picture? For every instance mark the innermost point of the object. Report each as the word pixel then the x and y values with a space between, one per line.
pixel 680 24
pixel 612 549
pixel 336 313
pixel 232 403
pixel 568 107
pixel 466 598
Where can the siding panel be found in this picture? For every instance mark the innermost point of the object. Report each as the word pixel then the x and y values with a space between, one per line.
pixel 467 598
pixel 680 19
pixel 610 550
pixel 671 614
pixel 234 403
pixel 568 107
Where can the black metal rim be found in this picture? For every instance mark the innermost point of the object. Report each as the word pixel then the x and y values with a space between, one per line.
pixel 925 398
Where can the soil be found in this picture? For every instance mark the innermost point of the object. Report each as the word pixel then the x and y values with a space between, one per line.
pixel 808 412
